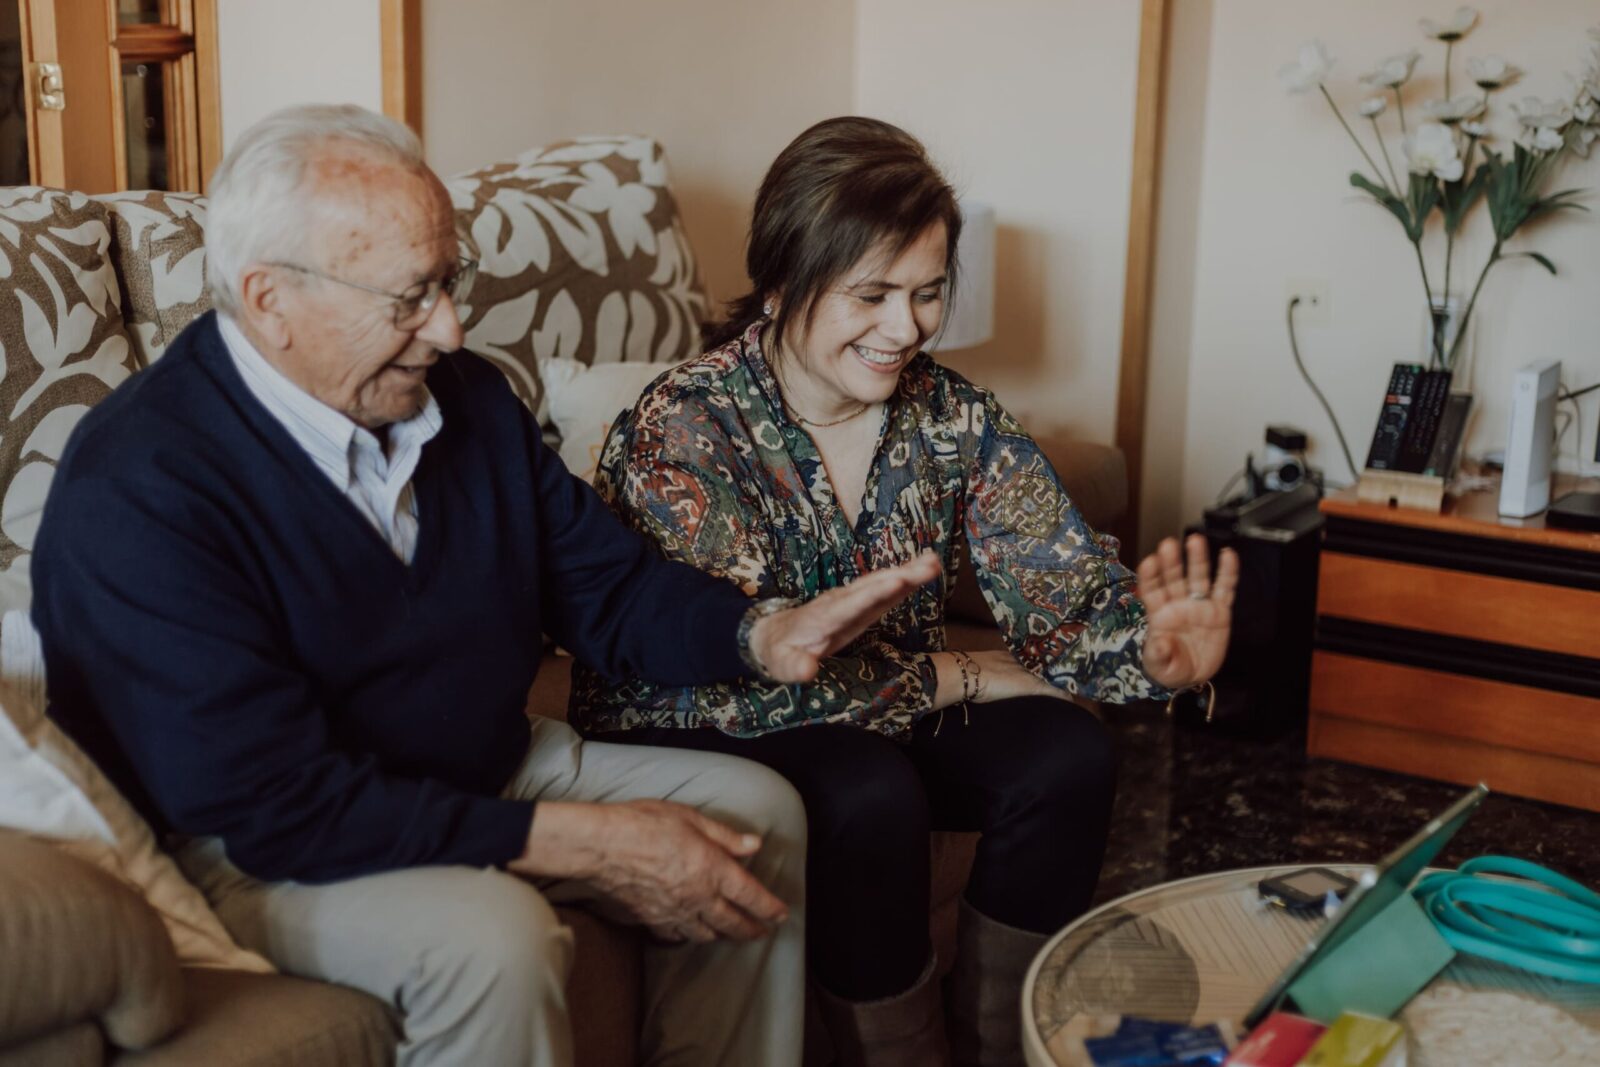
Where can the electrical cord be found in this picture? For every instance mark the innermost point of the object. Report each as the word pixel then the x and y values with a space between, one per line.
pixel 1222 497
pixel 1522 915
pixel 1294 347
pixel 1577 417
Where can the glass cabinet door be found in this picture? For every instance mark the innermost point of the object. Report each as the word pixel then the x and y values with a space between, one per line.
pixel 155 55
pixel 105 95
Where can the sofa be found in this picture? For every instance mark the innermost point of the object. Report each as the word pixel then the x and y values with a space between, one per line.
pixel 583 258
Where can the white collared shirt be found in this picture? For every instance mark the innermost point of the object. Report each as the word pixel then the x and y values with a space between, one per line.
pixel 376 481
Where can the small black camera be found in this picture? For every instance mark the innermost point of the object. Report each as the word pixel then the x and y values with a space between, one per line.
pixel 1283 465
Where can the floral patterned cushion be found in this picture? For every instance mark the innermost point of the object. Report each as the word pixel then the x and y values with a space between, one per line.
pixel 158 249
pixel 64 350
pixel 582 255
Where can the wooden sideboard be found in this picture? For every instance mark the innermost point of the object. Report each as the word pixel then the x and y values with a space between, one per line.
pixel 1461 646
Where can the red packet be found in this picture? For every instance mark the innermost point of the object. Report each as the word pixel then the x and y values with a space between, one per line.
pixel 1280 1041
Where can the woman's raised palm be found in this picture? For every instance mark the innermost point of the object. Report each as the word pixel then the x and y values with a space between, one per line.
pixel 1188 614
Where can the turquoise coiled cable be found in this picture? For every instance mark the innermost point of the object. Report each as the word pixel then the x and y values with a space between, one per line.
pixel 1526 916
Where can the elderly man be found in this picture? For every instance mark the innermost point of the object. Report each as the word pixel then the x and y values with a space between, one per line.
pixel 291 584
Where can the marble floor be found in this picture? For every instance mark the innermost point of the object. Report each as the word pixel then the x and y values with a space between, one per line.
pixel 1193 799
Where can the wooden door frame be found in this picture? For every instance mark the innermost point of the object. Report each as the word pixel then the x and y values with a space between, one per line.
pixel 400 32
pixel 1134 367
pixel 46 136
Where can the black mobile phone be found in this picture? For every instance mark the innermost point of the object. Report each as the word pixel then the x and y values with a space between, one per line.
pixel 1304 890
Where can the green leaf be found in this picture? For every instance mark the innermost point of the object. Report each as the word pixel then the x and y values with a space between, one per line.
pixel 1422 196
pixel 1543 261
pixel 1460 196
pixel 1541 208
pixel 1394 204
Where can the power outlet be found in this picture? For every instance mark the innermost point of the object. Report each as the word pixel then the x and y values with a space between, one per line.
pixel 1314 308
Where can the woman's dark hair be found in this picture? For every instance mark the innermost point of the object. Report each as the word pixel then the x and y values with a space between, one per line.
pixel 840 189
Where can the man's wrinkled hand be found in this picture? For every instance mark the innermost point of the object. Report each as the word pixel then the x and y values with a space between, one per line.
pixel 674 870
pixel 791 644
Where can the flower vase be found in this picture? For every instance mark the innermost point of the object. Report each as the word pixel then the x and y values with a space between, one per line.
pixel 1443 327
pixel 1440 328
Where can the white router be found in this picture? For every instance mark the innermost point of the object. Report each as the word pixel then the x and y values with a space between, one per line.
pixel 1525 487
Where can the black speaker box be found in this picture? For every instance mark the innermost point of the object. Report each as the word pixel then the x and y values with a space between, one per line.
pixel 1264 685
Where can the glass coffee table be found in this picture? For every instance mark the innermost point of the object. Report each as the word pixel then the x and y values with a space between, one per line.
pixel 1204 949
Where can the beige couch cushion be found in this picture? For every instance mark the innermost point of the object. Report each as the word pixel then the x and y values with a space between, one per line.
pixel 79 946
pixel 78 1045
pixel 62 339
pixel 50 789
pixel 158 249
pixel 582 255
pixel 258 1020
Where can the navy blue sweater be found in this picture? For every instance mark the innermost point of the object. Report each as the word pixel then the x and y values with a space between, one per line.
pixel 246 656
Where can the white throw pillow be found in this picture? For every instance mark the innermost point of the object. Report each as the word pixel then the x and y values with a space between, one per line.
pixel 585 402
pixel 50 789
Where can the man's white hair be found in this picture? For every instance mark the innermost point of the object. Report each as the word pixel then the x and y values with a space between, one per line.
pixel 260 210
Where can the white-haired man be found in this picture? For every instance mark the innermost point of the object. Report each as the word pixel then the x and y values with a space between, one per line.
pixel 291 583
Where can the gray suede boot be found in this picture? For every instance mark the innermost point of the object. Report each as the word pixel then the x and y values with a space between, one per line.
pixel 906 1030
pixel 983 995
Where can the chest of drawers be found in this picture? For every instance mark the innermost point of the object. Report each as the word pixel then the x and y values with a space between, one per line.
pixel 1459 646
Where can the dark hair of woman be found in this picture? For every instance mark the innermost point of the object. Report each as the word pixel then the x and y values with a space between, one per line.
pixel 842 188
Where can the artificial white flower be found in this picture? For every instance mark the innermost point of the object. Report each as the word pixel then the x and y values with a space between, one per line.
pixel 1585 112
pixel 1309 70
pixel 1585 138
pixel 1431 149
pixel 1453 110
pixel 1491 72
pixel 1453 28
pixel 1394 71
pixel 1536 113
pixel 1373 106
pixel 1544 139
pixel 1475 129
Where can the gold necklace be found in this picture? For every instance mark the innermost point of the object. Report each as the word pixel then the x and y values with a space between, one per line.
pixel 790 408
pixel 823 425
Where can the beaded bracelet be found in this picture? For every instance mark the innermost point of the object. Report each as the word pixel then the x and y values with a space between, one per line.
pixel 971 687
pixel 969 684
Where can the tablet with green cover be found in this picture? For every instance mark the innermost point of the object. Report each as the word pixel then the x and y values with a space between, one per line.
pixel 1381 948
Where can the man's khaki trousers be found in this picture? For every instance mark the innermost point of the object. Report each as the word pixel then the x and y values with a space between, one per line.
pixel 476 961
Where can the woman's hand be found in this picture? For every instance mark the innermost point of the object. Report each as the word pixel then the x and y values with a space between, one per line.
pixel 1003 678
pixel 996 675
pixel 1188 614
pixel 792 644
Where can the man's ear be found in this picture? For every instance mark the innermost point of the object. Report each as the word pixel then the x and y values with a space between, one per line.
pixel 262 296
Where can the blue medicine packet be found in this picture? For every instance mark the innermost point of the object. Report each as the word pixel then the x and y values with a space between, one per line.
pixel 1150 1043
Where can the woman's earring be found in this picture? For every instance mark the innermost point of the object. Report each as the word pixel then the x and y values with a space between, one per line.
pixel 766 309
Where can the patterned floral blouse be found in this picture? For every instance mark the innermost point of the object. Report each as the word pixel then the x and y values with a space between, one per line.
pixel 709 465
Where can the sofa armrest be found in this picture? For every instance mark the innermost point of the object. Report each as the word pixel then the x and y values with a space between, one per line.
pixel 1096 479
pixel 77 945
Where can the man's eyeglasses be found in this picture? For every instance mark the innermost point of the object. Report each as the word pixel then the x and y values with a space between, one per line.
pixel 412 307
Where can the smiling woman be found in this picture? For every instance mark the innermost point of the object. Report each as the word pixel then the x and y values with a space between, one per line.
pixel 815 441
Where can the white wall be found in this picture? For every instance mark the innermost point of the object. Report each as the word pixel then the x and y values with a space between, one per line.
pixel 1028 104
pixel 1274 203
pixel 723 84
pixel 274 53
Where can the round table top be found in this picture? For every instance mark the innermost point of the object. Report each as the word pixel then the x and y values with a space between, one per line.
pixel 1203 950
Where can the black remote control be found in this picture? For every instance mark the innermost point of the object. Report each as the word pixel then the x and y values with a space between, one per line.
pixel 1385 450
pixel 1422 426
